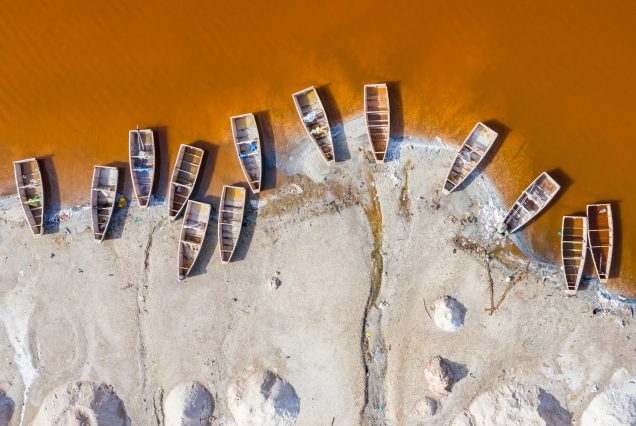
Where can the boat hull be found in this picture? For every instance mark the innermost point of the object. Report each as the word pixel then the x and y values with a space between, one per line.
pixel 601 238
pixel 28 181
pixel 185 173
pixel 247 143
pixel 231 210
pixel 314 119
pixel 141 157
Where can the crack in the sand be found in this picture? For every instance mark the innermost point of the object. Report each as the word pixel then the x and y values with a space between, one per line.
pixel 142 288
pixel 372 342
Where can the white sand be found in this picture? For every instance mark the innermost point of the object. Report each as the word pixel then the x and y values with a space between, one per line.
pixel 114 312
pixel 514 405
pixel 448 313
pixel 263 398
pixel 616 405
pixel 82 403
pixel 188 404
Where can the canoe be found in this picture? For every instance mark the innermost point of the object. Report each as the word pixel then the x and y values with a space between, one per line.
pixel 103 196
pixel 184 175
pixel 141 154
pixel 530 203
pixel 377 117
pixel 195 225
pixel 231 211
pixel 247 141
pixel 601 238
pixel 314 119
pixel 28 181
pixel 470 155
pixel 573 250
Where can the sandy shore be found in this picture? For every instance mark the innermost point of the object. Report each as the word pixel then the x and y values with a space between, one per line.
pixel 361 251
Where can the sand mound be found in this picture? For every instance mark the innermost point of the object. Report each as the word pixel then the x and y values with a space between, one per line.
pixel 439 375
pixel 614 406
pixel 188 404
pixel 514 405
pixel 7 407
pixel 82 403
pixel 448 313
pixel 263 398
pixel 426 407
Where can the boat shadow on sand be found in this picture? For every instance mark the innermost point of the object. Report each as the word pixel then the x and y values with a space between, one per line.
pixel 210 154
pixel 336 124
pixel 124 189
pixel 210 245
pixel 268 147
pixel 396 134
pixel 51 190
pixel 162 158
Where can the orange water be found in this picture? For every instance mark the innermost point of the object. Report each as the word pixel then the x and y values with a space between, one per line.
pixel 76 75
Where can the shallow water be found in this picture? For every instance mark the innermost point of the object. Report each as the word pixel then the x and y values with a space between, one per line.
pixel 76 76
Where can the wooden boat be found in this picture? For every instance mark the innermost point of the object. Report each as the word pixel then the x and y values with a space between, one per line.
pixel 470 155
pixel 573 250
pixel 314 118
pixel 184 176
pixel 247 141
pixel 601 238
pixel 231 211
pixel 28 181
pixel 195 225
pixel 141 154
pixel 530 203
pixel 103 197
pixel 377 117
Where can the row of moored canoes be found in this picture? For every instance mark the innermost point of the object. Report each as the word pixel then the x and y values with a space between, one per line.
pixel 247 141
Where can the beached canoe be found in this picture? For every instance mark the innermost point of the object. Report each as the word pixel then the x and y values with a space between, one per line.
pixel 601 238
pixel 141 154
pixel 231 211
pixel 103 198
pixel 530 203
pixel 28 181
pixel 193 229
pixel 573 250
pixel 377 117
pixel 470 155
pixel 247 141
pixel 314 119
pixel 184 176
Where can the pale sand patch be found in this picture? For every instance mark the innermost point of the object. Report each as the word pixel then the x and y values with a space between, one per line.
pixel 82 403
pixel 188 404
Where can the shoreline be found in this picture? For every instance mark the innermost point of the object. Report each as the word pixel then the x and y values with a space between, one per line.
pixel 294 162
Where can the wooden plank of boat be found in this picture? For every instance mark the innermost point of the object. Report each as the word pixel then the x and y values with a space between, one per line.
pixel 247 141
pixel 186 170
pixel 469 156
pixel 601 238
pixel 530 203
pixel 103 197
pixel 141 154
pixel 314 118
pixel 231 211
pixel 574 235
pixel 28 181
pixel 193 230
pixel 377 117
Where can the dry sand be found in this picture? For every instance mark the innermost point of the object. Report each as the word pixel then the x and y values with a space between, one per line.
pixel 339 239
